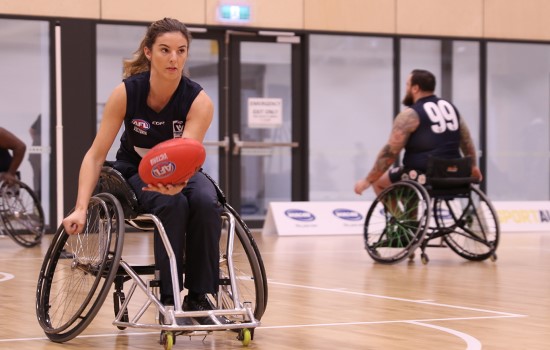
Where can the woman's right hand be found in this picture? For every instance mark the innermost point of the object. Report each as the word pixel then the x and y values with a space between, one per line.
pixel 74 223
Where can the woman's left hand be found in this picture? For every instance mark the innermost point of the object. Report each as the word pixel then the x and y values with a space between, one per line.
pixel 168 189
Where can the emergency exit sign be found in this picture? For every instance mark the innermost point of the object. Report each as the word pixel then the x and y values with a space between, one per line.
pixel 234 13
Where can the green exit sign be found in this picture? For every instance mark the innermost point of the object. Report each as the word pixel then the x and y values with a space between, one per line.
pixel 234 13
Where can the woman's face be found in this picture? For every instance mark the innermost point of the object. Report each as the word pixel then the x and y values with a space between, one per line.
pixel 168 55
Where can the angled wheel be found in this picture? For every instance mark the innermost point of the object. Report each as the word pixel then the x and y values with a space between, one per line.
pixel 396 222
pixel 71 290
pixel 22 214
pixel 249 271
pixel 473 225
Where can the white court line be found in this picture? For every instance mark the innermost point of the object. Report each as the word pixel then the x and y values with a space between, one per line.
pixel 80 336
pixel 386 322
pixel 337 290
pixel 311 325
pixel 471 342
pixel 4 276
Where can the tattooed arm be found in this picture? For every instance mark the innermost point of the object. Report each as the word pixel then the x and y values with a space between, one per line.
pixel 468 149
pixel 404 125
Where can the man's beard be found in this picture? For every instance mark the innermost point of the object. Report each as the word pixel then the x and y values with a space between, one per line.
pixel 408 100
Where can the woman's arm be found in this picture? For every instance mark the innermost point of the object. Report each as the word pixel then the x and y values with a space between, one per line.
pixel 199 117
pixel 113 116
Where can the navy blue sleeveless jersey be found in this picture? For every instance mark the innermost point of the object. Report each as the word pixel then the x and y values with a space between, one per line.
pixel 5 160
pixel 437 135
pixel 144 128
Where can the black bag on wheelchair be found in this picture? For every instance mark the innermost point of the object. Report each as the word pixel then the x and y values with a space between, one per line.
pixel 449 176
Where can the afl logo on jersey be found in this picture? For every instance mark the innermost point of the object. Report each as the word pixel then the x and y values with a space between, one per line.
pixel 163 169
pixel 141 124
pixel 347 214
pixel 300 215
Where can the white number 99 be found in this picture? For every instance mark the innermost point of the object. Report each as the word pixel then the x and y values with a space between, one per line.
pixel 442 115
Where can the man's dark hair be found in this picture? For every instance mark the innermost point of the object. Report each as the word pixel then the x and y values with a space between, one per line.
pixel 424 79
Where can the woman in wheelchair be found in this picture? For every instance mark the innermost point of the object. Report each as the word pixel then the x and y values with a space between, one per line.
pixel 156 102
pixel 429 126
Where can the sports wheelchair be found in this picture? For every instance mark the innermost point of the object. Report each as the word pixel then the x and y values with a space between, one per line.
pixel 444 204
pixel 21 214
pixel 71 290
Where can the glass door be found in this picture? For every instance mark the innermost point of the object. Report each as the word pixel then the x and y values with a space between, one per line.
pixel 266 161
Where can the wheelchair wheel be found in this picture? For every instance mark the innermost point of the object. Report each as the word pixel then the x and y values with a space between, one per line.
pixel 72 289
pixel 473 223
pixel 396 222
pixel 249 271
pixel 22 214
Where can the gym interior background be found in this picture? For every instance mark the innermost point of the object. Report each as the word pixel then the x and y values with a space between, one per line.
pixel 337 68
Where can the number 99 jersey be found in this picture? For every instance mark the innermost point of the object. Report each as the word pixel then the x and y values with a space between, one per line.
pixel 437 135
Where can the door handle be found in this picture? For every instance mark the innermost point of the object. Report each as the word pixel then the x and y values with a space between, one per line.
pixel 223 143
pixel 258 144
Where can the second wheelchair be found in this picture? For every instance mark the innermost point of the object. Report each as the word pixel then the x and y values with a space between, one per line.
pixel 21 214
pixel 445 205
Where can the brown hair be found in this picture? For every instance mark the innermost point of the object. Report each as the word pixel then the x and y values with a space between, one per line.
pixel 139 63
pixel 424 79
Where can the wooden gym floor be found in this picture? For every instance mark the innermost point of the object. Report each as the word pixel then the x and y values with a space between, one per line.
pixel 326 293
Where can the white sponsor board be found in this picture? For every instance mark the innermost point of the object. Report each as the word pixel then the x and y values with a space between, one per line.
pixel 347 218
pixel 523 216
pixel 315 218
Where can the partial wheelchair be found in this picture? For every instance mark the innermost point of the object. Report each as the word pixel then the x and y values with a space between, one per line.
pixel 21 214
pixel 444 205
pixel 71 290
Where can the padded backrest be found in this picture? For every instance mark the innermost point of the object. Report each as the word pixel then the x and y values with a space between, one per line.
pixel 112 181
pixel 449 176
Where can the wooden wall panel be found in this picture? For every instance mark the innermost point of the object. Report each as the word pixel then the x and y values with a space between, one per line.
pixel 187 11
pixel 374 16
pixel 283 14
pixel 517 19
pixel 52 8
pixel 440 17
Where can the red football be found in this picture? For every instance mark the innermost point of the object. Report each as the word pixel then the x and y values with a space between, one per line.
pixel 172 162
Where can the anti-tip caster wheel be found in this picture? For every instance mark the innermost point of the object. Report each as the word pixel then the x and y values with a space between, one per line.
pixel 167 339
pixel 424 258
pixel 245 336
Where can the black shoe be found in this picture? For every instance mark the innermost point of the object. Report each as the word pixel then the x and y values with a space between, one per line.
pixel 180 321
pixel 202 304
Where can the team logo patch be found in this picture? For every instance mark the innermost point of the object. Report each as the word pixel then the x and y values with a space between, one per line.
pixel 163 169
pixel 347 214
pixel 141 124
pixel 177 128
pixel 300 215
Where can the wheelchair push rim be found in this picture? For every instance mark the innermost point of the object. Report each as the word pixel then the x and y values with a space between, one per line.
pixel 474 229
pixel 396 222
pixel 72 289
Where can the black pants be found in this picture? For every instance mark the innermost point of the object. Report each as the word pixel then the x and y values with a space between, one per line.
pixel 192 221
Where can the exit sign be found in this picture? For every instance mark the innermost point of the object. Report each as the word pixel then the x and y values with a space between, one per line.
pixel 234 13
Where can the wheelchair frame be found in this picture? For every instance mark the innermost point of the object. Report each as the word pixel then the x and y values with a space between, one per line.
pixel 21 214
pixel 408 215
pixel 97 262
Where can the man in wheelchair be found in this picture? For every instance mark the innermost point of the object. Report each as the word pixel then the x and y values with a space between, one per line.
pixel 428 127
pixel 10 162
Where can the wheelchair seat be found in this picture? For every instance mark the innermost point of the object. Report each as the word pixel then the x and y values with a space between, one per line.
pixel 449 176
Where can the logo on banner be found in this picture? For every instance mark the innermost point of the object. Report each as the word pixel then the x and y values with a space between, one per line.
pixel 347 214
pixel 299 215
